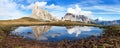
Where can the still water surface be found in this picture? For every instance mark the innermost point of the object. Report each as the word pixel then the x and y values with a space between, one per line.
pixel 56 33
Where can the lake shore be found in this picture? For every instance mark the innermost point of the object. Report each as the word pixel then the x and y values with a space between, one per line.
pixel 55 23
pixel 104 41
pixel 110 39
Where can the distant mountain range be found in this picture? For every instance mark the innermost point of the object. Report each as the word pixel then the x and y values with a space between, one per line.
pixel 85 19
pixel 73 17
pixel 39 14
pixel 114 22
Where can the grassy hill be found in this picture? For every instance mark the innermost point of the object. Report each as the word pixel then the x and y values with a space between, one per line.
pixel 32 21
pixel 23 19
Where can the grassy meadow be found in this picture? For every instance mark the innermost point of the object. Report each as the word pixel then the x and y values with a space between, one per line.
pixel 109 39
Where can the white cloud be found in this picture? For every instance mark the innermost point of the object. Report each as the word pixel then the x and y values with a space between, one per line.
pixel 42 5
pixel 19 0
pixel 100 18
pixel 27 7
pixel 78 11
pixel 77 30
pixel 31 1
pixel 55 10
pixel 55 7
pixel 104 9
pixel 90 2
pixel 109 8
pixel 8 10
pixel 58 14
pixel 108 13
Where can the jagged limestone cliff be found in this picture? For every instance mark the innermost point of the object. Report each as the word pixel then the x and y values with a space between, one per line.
pixel 73 17
pixel 40 14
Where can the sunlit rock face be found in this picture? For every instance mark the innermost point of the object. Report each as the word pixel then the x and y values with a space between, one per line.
pixel 40 14
pixel 39 30
pixel 73 17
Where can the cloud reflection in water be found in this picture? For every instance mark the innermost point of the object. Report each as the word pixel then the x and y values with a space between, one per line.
pixel 53 33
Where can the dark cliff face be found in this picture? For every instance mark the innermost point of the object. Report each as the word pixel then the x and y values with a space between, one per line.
pixel 73 17
pixel 70 14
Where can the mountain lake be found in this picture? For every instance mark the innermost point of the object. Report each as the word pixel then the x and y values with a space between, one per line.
pixel 56 33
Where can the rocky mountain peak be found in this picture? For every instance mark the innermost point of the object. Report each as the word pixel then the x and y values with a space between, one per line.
pixel 73 17
pixel 39 14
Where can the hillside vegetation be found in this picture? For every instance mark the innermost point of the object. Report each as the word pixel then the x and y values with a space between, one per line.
pixel 27 19
pixel 109 39
pixel 23 19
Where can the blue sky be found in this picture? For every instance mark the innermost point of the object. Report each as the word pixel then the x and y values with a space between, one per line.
pixel 104 9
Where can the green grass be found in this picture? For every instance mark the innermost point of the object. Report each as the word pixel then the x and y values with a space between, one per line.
pixel 23 19
pixel 18 47
pixel 30 21
pixel 113 27
pixel 1 37
pixel 101 47
pixel 7 25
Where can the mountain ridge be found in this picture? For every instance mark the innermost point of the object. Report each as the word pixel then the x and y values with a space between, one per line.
pixel 73 17
pixel 114 22
pixel 39 14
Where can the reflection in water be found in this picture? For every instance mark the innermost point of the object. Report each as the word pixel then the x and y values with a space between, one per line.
pixel 39 30
pixel 56 33
pixel 78 29
pixel 34 32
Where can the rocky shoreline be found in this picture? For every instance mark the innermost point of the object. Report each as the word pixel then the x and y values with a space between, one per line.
pixel 108 40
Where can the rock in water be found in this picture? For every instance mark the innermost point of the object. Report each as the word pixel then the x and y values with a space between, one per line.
pixel 39 14
pixel 73 17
